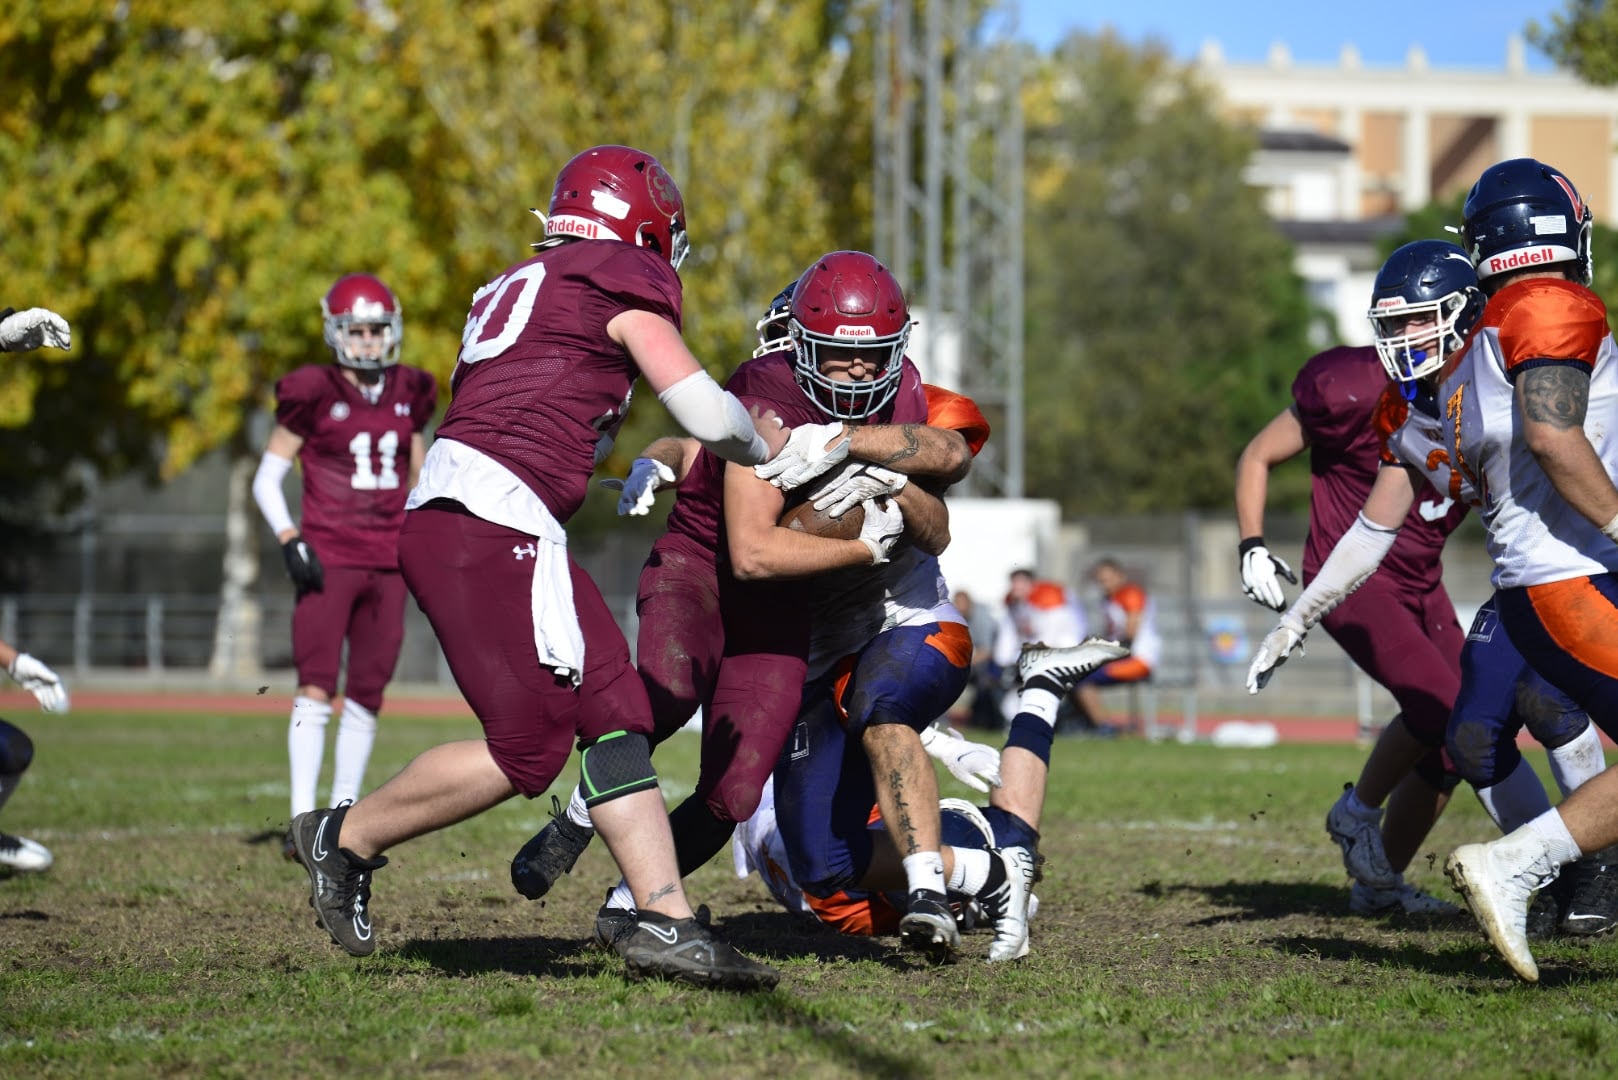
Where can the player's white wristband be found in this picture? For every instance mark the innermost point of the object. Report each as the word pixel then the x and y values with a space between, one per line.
pixel 1611 529
pixel 878 556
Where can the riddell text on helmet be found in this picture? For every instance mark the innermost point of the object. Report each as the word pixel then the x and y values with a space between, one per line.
pixel 575 226
pixel 1531 257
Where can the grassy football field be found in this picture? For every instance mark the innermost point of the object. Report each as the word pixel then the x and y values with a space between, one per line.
pixel 1193 922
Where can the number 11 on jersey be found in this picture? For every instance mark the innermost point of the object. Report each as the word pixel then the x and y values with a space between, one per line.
pixel 387 452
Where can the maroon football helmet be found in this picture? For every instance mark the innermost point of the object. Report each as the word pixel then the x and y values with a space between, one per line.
pixel 847 302
pixel 357 306
pixel 619 193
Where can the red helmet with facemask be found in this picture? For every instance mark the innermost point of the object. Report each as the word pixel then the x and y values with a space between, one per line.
pixel 848 304
pixel 364 325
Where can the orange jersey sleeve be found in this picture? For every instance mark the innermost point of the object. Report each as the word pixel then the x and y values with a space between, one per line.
pixel 1130 597
pixel 1548 320
pixel 1389 416
pixel 947 409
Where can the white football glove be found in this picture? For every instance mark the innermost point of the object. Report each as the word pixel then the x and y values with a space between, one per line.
pixel 40 681
pixel 883 526
pixel 33 328
pixel 855 482
pixel 973 764
pixel 806 455
pixel 1261 571
pixel 1273 651
pixel 639 489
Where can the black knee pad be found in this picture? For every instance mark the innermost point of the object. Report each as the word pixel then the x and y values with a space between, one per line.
pixel 16 749
pixel 614 766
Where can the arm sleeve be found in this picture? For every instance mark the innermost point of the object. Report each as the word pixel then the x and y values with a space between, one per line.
pixel 1357 555
pixel 272 501
pixel 715 418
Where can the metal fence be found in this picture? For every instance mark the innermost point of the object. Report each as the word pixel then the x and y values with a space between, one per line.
pixel 166 633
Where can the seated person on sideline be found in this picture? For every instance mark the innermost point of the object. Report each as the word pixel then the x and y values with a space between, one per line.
pixel 1132 620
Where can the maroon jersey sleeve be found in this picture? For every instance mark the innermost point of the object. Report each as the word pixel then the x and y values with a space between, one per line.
pixel 299 396
pixel 423 395
pixel 1335 393
pixel 539 379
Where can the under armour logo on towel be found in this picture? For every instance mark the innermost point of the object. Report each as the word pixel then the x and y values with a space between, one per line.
pixel 1431 511
pixel 530 550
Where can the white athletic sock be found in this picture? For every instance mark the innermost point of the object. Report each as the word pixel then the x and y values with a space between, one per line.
pixel 356 734
pixel 1516 800
pixel 306 744
pixel 925 870
pixel 971 870
pixel 1577 761
pixel 1551 829
pixel 577 812
pixel 1041 703
pixel 621 897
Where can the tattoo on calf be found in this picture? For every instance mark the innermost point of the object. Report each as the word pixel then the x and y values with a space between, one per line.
pixel 657 894
pixel 904 828
pixel 1557 396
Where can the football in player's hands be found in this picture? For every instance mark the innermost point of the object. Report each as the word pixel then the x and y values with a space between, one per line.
pixel 800 513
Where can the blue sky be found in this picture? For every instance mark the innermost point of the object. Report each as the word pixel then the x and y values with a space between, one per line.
pixel 1453 33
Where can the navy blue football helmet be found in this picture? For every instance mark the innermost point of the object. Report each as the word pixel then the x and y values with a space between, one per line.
pixel 772 328
pixel 1522 214
pixel 1423 304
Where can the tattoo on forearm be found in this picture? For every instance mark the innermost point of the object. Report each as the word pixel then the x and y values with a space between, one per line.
pixel 658 894
pixel 912 445
pixel 1557 396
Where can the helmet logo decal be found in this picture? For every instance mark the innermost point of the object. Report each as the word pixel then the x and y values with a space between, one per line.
pixel 1572 196
pixel 854 332
pixel 664 194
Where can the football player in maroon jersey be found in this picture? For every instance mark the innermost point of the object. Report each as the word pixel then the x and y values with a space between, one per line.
pixel 550 353
pixel 356 426
pixel 710 596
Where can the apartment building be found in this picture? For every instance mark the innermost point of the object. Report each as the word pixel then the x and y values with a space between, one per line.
pixel 1346 149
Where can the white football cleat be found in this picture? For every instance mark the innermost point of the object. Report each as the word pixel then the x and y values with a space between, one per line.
pixel 1499 880
pixel 1361 840
pixel 1067 664
pixel 23 855
pixel 1008 905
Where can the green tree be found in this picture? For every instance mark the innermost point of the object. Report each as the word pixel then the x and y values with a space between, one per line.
pixel 1582 37
pixel 1164 320
pixel 183 182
